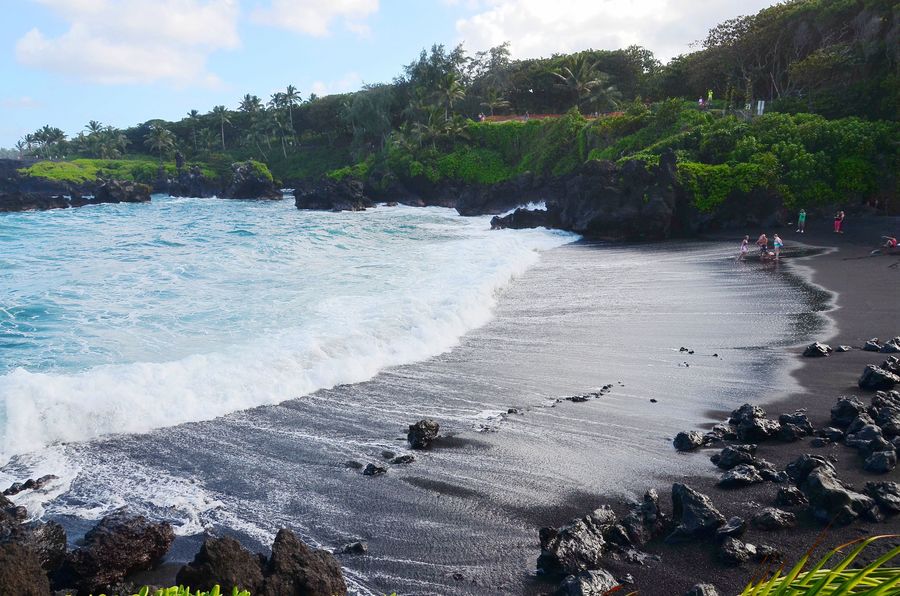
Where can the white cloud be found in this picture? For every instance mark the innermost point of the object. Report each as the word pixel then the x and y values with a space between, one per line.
pixel 315 17
pixel 537 28
pixel 24 102
pixel 349 82
pixel 134 41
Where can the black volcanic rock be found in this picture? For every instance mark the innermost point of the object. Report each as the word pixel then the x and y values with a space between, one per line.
pixel 225 562
pixel 527 218
pixel 21 573
pixel 694 514
pixel 250 181
pixel 422 433
pixel 332 195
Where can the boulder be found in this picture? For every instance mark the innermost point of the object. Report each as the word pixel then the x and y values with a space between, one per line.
pixel 333 195
pixel 817 350
pixel 755 430
pixel 734 552
pixel 798 419
pixel 688 441
pixel 576 547
pixel 720 432
pixel 872 345
pixel 527 218
pixel 251 180
pixel 402 459
pixel 694 514
pixel 374 470
pixel 830 500
pixel 30 484
pixel 843 349
pixel 645 521
pixel 118 546
pixel 846 411
pixel 892 365
pixel 360 547
pixel 595 582
pixel 891 347
pixel 886 495
pixel 46 540
pixel 224 562
pixel 859 422
pixel 21 573
pixel 422 434
pixel 875 379
pixel 702 590
pixel 772 518
pixel 118 191
pixel 734 527
pixel 881 462
pixel 863 437
pixel 801 467
pixel 746 412
pixel 734 455
pixel 789 496
pixel 740 476
pixel 294 568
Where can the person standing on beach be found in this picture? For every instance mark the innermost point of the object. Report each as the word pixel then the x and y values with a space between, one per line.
pixel 840 223
pixel 763 243
pixel 778 245
pixel 745 248
pixel 801 221
pixel 837 222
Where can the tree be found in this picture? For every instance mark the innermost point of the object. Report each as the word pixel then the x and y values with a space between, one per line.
pixel 250 104
pixel 494 101
pixel 450 90
pixel 586 83
pixel 291 99
pixel 221 114
pixel 160 139
pixel 194 118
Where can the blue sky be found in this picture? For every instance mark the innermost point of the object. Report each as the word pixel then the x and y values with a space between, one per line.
pixel 64 62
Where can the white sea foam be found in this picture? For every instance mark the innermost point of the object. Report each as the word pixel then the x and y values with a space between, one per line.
pixel 345 332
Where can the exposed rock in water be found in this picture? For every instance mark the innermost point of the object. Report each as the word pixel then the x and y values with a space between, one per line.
pixel 422 433
pixel 688 441
pixel 224 562
pixel 595 582
pixel 117 191
pixel 21 573
pixel 403 459
pixel 360 547
pixel 527 218
pixel 817 350
pixel 771 518
pixel 374 470
pixel 694 513
pixel 832 502
pixel 30 484
pixel 333 195
pixel 250 181
pixel 118 546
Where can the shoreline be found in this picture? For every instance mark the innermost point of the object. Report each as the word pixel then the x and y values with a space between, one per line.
pixel 820 381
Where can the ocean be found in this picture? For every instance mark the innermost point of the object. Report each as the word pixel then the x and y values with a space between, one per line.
pixel 216 364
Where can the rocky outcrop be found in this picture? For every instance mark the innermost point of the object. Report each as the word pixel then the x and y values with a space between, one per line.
pixel 876 378
pixel 332 195
pixel 576 547
pixel 694 513
pixel 21 572
pixel 831 501
pixel 118 191
pixel 528 218
pixel 250 180
pixel 595 582
pixel 293 568
pixel 817 350
pixel 117 547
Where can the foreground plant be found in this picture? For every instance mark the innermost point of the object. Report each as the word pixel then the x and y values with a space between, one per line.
pixel 876 579
pixel 182 591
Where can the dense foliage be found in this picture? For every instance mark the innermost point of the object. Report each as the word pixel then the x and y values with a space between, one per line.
pixel 827 68
pixel 182 591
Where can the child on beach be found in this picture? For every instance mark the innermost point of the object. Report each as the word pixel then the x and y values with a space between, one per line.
pixel 763 243
pixel 778 246
pixel 801 221
pixel 745 248
pixel 838 222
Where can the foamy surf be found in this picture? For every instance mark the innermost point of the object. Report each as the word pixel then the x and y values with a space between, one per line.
pixel 281 310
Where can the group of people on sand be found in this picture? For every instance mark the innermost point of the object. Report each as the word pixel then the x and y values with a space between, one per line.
pixel 763 244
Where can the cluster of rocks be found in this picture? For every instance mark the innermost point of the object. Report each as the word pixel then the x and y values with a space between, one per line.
pixel 872 430
pixel 35 558
pixel 420 436
pixel 30 484
pixel 293 568
pixel 108 191
pixel 881 378
pixel 891 346
pixel 748 424
pixel 249 181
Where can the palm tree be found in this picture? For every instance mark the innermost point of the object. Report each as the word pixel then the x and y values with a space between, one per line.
pixel 221 113
pixel 250 104
pixel 194 117
pixel 585 82
pixel 160 139
pixel 494 101
pixel 450 91
pixel 21 147
pixel 291 99
pixel 93 127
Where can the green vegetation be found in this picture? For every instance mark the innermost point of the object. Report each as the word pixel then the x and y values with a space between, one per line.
pixel 79 171
pixel 826 68
pixel 874 579
pixel 182 591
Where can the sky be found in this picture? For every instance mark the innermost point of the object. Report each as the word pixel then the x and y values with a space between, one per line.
pixel 123 62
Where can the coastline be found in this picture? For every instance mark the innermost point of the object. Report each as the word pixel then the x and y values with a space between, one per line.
pixel 864 306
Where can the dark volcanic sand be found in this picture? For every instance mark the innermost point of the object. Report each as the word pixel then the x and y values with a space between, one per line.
pixel 866 305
